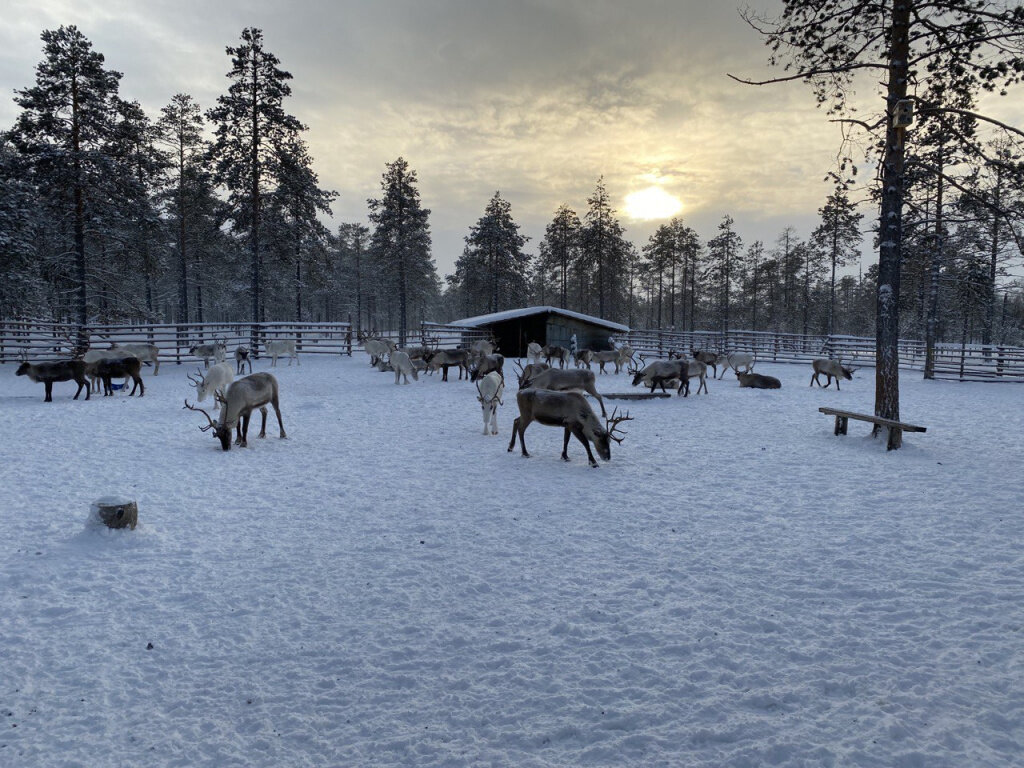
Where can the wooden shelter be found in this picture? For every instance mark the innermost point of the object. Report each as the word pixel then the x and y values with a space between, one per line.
pixel 516 328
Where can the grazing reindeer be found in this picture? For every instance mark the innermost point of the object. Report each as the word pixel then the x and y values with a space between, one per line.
pixel 147 353
pixel 830 368
pixel 555 352
pixel 282 348
pixel 446 358
pixel 61 370
pixel 490 389
pixel 241 358
pixel 216 381
pixel 377 349
pixel 560 381
pixel 402 366
pixel 736 360
pixel 757 381
pixel 120 367
pixel 216 351
pixel 568 410
pixel 485 364
pixel 253 391
pixel 534 351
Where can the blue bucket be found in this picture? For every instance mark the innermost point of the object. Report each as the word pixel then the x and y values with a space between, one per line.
pixel 117 387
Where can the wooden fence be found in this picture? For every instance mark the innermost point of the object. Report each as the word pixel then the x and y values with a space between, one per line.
pixel 963 362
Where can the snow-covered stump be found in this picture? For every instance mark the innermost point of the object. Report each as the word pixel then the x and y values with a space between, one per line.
pixel 116 512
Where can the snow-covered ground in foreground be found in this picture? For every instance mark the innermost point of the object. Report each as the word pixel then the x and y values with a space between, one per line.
pixel 390 587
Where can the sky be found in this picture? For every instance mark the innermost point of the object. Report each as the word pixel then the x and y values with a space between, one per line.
pixel 535 99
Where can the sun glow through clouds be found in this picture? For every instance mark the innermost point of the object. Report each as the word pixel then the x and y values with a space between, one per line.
pixel 652 203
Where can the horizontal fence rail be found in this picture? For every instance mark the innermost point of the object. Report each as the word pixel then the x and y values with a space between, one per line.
pixel 41 340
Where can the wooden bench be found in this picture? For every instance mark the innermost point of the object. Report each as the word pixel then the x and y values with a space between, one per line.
pixel 896 428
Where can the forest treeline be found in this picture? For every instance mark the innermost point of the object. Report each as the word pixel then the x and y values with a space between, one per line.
pixel 108 214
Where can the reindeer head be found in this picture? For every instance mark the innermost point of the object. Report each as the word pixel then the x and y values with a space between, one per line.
pixel 221 431
pixel 637 370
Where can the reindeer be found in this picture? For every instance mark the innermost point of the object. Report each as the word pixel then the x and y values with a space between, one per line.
pixel 490 389
pixel 830 368
pixel 534 351
pixel 253 391
pixel 60 370
pixel 241 358
pixel 485 365
pixel 524 374
pixel 216 381
pixel 555 352
pixel 147 353
pixel 736 360
pixel 91 358
pixel 446 358
pixel 483 346
pixel 572 412
pixel 757 381
pixel 661 372
pixel 282 348
pixel 625 357
pixel 402 366
pixel 583 357
pixel 708 358
pixel 376 349
pixel 605 356
pixel 215 350
pixel 120 367
pixel 560 381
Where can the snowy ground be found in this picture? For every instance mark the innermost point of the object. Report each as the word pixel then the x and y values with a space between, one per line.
pixel 389 587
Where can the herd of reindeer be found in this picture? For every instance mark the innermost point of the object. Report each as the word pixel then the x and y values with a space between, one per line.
pixel 551 386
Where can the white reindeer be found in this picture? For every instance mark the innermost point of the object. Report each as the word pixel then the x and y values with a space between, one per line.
pixel 216 382
pixel 402 365
pixel 490 390
pixel 736 361
pixel 534 351
pixel 282 348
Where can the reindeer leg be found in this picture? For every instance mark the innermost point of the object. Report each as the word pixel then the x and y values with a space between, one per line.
pixel 515 431
pixel 263 425
pixel 241 431
pixel 578 431
pixel 565 443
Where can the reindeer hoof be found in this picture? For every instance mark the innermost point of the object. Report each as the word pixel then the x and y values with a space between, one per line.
pixel 564 457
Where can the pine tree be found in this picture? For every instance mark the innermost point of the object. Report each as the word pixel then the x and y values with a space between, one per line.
pixel 603 251
pixel 903 42
pixel 180 128
pixel 559 250
pixel 838 237
pixel 65 121
pixel 724 261
pixel 251 124
pixel 400 243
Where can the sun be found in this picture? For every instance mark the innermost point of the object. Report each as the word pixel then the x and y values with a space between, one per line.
pixel 652 203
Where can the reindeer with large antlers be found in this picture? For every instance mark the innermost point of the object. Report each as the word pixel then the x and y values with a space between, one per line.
pixel 215 382
pixel 571 411
pixel 253 391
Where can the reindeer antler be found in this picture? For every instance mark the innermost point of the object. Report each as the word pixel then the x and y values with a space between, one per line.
pixel 196 382
pixel 211 425
pixel 612 425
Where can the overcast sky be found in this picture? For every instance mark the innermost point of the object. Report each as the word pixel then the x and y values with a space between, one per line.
pixel 536 99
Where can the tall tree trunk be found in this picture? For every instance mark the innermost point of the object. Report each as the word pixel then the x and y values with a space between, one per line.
pixel 931 322
pixel 887 327
pixel 990 288
pixel 254 191
pixel 82 299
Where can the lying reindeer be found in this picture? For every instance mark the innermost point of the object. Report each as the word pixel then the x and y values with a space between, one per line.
pixel 120 367
pixel 253 391
pixel 560 381
pixel 241 358
pixel 830 368
pixel 60 370
pixel 490 389
pixel 757 381
pixel 216 381
pixel 571 411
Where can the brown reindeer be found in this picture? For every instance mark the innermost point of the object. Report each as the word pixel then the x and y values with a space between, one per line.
pixel 253 391
pixel 60 370
pixel 572 412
